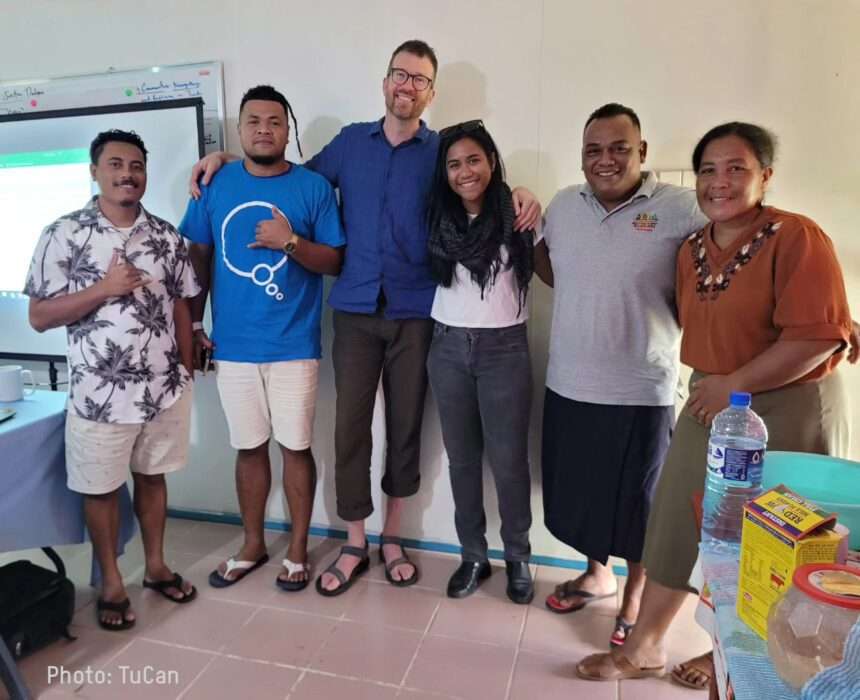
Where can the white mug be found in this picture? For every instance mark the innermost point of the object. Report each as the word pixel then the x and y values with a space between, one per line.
pixel 12 382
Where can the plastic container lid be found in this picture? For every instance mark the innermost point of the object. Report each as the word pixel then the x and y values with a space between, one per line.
pixel 835 584
pixel 740 399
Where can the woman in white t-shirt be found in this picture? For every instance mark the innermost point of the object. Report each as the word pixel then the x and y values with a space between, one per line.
pixel 479 364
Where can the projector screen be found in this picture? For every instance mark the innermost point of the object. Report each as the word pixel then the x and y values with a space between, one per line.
pixel 44 173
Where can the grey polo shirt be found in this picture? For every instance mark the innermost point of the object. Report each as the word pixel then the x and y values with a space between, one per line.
pixel 615 336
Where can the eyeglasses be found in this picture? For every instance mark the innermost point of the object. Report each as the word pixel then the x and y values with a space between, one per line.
pixel 419 82
pixel 461 128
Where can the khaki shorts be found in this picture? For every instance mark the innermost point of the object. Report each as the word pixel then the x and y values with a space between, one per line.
pixel 272 398
pixel 99 455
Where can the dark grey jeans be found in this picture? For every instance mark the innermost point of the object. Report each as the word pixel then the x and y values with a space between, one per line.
pixel 481 380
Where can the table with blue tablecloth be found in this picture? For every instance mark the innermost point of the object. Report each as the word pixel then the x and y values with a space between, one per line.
pixel 747 662
pixel 36 507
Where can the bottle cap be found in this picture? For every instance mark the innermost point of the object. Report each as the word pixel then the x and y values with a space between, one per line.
pixel 740 399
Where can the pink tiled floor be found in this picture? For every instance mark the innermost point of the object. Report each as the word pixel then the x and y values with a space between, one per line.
pixel 376 642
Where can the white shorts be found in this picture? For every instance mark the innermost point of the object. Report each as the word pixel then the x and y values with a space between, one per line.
pixel 99 455
pixel 272 398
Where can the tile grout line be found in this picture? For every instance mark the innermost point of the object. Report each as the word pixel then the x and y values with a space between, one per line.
pixel 401 688
pixel 479 642
pixel 303 670
pixel 109 660
pixel 197 677
pixel 216 654
pixel 420 644
pixel 432 693
pixel 264 606
pixel 307 667
pixel 263 662
pixel 517 647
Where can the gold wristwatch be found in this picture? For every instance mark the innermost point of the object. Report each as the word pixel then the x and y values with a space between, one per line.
pixel 290 245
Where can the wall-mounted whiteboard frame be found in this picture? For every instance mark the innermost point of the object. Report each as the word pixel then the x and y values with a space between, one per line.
pixel 116 87
pixel 18 340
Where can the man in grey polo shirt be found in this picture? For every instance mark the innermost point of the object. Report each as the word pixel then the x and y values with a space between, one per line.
pixel 609 250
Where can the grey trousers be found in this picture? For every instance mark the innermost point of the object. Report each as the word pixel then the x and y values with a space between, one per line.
pixel 481 380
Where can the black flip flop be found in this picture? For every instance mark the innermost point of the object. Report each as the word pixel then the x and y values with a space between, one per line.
pixel 121 607
pixel 345 583
pixel 293 568
pixel 217 580
pixel 175 582
pixel 568 591
pixel 402 583
pixel 621 625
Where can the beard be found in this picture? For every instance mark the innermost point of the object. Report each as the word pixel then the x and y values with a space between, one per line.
pixel 264 160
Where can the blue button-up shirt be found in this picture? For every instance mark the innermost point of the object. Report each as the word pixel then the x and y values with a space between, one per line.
pixel 383 193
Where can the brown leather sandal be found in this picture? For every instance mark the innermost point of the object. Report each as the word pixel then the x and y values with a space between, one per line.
pixel 703 665
pixel 615 667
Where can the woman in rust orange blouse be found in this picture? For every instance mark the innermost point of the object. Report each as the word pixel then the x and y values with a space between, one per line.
pixel 762 305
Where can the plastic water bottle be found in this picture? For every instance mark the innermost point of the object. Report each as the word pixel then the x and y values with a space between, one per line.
pixel 735 461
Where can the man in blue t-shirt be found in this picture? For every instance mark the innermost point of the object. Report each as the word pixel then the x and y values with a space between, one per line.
pixel 274 230
pixel 381 302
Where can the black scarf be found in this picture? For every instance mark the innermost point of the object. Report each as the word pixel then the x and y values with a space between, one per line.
pixel 476 245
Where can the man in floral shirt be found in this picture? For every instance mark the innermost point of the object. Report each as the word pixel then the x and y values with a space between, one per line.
pixel 119 278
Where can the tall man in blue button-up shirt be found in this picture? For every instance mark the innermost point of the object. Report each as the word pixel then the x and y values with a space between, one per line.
pixel 382 303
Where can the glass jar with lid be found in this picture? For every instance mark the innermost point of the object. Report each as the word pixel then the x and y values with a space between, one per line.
pixel 808 626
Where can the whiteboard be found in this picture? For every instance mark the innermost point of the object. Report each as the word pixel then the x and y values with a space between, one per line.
pixel 153 84
pixel 30 201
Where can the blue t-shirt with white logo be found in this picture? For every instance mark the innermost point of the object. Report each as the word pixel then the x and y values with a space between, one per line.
pixel 265 306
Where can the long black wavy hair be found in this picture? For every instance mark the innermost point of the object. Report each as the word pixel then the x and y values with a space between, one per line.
pixel 444 203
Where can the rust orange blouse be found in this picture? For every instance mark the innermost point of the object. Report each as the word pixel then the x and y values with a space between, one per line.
pixel 781 280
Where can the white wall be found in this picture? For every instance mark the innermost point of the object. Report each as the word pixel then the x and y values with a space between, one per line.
pixel 533 71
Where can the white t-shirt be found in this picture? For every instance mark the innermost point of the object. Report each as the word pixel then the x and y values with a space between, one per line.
pixel 461 305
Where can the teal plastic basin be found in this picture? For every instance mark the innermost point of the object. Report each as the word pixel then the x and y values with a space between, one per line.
pixel 832 483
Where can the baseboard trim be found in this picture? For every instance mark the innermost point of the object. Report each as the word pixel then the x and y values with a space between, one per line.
pixel 335 533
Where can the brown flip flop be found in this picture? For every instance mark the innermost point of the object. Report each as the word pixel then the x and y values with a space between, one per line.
pixel 614 667
pixel 703 664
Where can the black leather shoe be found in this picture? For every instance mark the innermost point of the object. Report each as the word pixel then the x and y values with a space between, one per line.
pixel 466 579
pixel 520 587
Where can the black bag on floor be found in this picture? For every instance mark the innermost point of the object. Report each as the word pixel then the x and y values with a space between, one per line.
pixel 36 605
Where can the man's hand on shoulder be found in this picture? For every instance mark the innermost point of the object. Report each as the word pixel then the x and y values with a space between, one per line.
pixel 273 233
pixel 527 209
pixel 204 170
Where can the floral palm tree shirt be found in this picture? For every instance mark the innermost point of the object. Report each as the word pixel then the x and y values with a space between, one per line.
pixel 124 363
